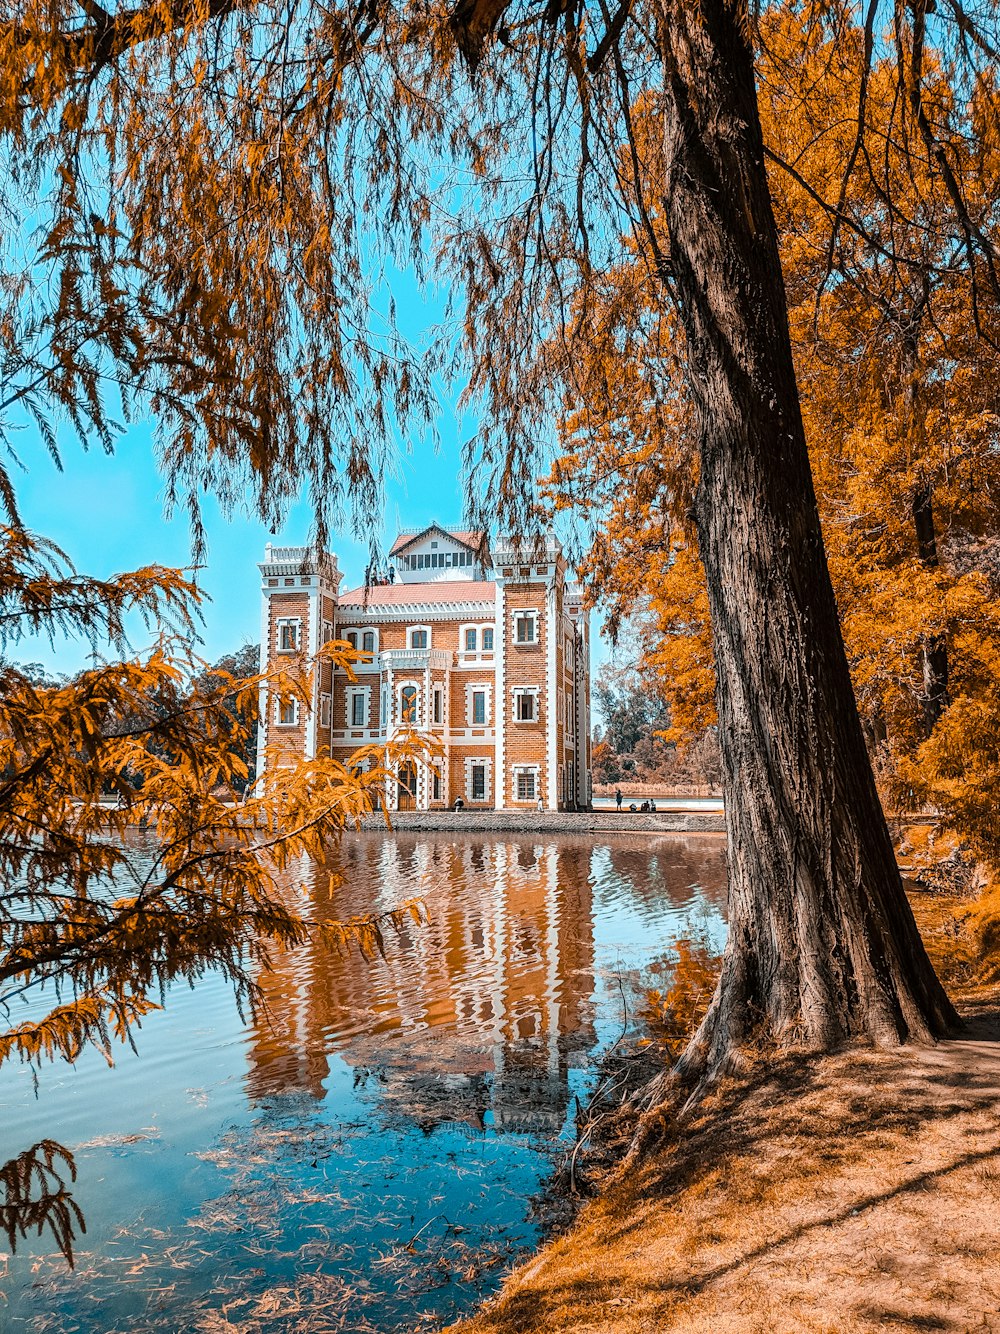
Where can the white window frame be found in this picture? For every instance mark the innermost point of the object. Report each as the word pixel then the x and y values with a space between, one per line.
pixel 364 694
pixel 474 687
pixel 527 692
pixel 526 771
pixel 468 630
pixel 474 761
pixel 281 722
pixel 411 630
pixel 324 710
pixel 531 614
pixel 356 639
pixel 400 687
pixel 437 706
pixel 370 630
pixel 327 631
pixel 492 631
pixel 283 623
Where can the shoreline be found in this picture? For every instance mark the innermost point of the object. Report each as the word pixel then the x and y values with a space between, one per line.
pixel 852 1193
pixel 545 822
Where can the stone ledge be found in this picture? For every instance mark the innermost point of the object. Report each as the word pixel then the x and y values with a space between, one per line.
pixel 552 822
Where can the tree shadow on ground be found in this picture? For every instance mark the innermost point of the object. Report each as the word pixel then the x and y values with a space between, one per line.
pixel 836 1128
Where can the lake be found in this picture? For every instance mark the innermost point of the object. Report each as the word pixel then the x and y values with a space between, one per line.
pixel 365 1155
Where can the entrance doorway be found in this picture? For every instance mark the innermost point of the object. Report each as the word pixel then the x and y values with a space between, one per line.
pixel 407 798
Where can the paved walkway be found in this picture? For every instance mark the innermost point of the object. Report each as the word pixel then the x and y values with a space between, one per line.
pixel 554 822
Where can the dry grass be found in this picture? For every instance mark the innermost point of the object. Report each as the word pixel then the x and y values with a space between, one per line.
pixel 860 1192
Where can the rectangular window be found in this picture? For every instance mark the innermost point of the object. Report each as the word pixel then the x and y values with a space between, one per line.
pixel 418 639
pixel 470 641
pixel 525 785
pixel 478 708
pixel 438 703
pixel 288 636
pixel 479 782
pixel 488 639
pixel 436 784
pixel 357 710
pixel 327 631
pixel 524 629
pixel 368 641
pixel 524 707
pixel 287 712
pixel 324 710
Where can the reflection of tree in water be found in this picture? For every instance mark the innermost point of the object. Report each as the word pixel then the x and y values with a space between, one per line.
pixel 484 1008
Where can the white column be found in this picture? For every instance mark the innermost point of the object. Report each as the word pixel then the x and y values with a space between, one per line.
pixel 264 696
pixel 500 699
pixel 314 634
pixel 551 718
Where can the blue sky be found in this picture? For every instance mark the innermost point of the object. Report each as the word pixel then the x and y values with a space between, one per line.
pixel 107 514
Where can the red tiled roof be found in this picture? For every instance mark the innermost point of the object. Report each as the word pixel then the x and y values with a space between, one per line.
pixel 471 540
pixel 405 595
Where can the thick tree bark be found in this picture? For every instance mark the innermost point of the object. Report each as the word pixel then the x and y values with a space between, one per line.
pixel 822 943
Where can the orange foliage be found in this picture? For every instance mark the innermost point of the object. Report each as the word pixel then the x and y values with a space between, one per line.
pixel 127 858
pixel 899 403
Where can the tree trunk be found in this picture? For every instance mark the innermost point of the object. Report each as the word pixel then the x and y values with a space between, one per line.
pixel 822 943
pixel 933 648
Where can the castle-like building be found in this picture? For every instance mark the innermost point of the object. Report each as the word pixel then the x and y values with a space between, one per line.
pixel 485 649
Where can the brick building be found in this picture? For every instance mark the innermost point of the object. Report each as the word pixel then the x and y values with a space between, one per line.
pixel 486 650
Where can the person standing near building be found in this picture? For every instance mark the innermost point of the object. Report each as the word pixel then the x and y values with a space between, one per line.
pixel 618 797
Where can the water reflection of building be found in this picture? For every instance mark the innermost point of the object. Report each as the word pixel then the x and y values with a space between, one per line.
pixel 482 1009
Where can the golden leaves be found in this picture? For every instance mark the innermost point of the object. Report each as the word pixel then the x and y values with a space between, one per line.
pixel 130 855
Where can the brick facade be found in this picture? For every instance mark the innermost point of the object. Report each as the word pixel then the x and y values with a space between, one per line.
pixel 485 651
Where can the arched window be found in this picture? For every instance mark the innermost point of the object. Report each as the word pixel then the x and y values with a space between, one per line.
pixel 352 638
pixel 408 706
pixel 368 641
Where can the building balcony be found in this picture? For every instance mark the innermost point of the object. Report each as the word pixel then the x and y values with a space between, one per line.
pixel 414 659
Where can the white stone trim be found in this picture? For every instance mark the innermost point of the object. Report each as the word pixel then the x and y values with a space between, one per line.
pixel 552 729
pixel 500 672
pixel 357 692
pixel 418 705
pixel 534 615
pixel 471 688
pixel 278 701
pixel 519 692
pixel 280 623
pixel 263 711
pixel 413 629
pixel 470 762
pixel 407 611
pixel 516 772
pixel 312 722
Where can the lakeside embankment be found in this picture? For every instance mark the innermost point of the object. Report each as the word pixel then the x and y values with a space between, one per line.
pixel 551 822
pixel 857 1192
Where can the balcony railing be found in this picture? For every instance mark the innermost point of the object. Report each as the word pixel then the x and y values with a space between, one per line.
pixel 396 659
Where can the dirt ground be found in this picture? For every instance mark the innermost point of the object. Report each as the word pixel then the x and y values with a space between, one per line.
pixel 859 1192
